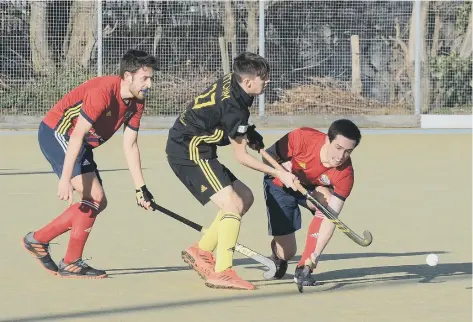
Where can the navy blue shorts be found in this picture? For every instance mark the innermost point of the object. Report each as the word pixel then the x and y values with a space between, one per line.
pixel 282 208
pixel 54 146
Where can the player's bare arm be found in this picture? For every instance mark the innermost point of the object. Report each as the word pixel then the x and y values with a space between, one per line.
pixel 75 143
pixel 239 145
pixel 133 159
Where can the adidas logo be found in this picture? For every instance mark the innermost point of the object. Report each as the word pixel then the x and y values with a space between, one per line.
pixel 203 188
pixel 109 113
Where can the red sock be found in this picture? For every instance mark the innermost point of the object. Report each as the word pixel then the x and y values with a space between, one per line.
pixel 312 235
pixel 82 223
pixel 57 226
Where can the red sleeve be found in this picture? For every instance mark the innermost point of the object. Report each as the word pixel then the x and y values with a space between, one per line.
pixel 94 103
pixel 290 145
pixel 135 120
pixel 344 185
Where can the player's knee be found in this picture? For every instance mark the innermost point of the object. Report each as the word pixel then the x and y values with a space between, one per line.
pixel 228 200
pixel 238 203
pixel 248 199
pixel 233 203
pixel 103 203
pixel 99 198
pixel 245 194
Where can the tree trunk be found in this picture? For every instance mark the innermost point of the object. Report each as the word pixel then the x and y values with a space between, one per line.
pixel 43 62
pixel 229 27
pixel 436 36
pixel 465 49
pixel 252 25
pixel 82 33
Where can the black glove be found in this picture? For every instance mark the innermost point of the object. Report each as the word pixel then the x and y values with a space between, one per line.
pixel 224 142
pixel 143 194
pixel 255 140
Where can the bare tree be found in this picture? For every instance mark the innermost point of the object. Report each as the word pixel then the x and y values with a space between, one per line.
pixel 43 62
pixel 229 27
pixel 466 47
pixel 80 38
pixel 252 25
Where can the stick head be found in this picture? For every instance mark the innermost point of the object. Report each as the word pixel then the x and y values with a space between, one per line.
pixel 368 238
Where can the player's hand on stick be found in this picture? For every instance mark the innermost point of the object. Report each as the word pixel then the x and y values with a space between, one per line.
pixel 255 140
pixel 288 179
pixel 144 197
pixel 287 165
pixel 65 190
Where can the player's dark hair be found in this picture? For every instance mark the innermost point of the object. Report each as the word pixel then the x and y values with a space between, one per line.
pixel 250 64
pixel 345 128
pixel 135 59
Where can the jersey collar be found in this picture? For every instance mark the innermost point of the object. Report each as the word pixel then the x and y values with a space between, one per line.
pixel 240 95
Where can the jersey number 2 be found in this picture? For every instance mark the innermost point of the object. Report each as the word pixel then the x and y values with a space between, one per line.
pixel 204 100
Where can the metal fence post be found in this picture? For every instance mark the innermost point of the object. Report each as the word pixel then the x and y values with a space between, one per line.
pixel 417 62
pixel 261 50
pixel 99 38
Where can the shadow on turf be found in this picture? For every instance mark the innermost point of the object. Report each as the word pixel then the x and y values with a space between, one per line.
pixel 366 276
pixel 145 270
pixel 334 257
pixel 342 279
pixel 49 172
pixel 248 261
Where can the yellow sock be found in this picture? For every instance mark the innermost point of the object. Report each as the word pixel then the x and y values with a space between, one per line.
pixel 228 231
pixel 208 242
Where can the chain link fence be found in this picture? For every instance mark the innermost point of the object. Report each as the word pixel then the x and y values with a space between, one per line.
pixel 327 57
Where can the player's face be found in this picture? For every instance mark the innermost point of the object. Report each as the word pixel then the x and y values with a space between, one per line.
pixel 256 85
pixel 339 150
pixel 140 82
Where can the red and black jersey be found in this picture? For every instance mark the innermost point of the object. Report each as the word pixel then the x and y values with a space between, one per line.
pixel 302 147
pixel 99 101
pixel 221 111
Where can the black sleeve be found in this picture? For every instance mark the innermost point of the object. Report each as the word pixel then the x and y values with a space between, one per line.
pixel 234 121
pixel 279 150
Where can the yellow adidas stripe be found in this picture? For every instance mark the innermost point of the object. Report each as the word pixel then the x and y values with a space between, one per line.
pixel 68 117
pixel 194 151
pixel 204 165
pixel 210 176
pixel 71 117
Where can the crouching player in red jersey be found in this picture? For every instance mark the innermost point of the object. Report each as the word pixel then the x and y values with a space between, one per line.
pixel 323 165
pixel 82 120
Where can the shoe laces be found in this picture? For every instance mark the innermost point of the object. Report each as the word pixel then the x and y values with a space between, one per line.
pixel 81 262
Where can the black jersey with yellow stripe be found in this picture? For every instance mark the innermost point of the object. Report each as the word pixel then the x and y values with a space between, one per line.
pixel 221 111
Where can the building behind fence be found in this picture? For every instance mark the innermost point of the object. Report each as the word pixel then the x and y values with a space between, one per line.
pixel 327 57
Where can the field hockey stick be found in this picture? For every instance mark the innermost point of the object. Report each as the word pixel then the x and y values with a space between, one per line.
pixel 367 237
pixel 267 262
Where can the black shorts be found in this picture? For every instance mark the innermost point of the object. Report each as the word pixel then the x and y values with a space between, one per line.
pixel 203 178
